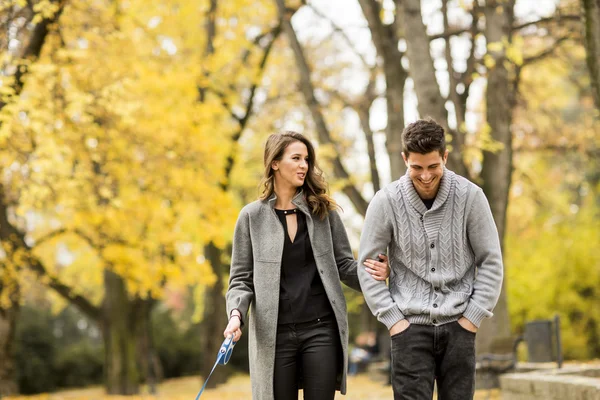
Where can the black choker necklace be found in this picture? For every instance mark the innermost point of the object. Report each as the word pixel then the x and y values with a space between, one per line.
pixel 292 211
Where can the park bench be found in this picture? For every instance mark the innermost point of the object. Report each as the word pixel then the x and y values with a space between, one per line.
pixel 542 339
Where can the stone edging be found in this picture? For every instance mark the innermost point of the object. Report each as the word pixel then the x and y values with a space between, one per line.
pixel 557 384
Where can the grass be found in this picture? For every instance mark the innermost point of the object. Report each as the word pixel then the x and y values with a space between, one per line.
pixel 360 387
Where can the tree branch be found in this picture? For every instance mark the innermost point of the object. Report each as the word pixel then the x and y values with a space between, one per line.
pixel 466 78
pixel 385 38
pixel 557 18
pixel 362 109
pixel 547 52
pixel 16 239
pixel 50 236
pixel 33 50
pixel 83 304
pixel 274 34
pixel 339 30
pixel 558 148
pixel 34 47
pixel 459 110
pixel 243 121
pixel 211 31
pixel 364 115
pixel 591 11
pixel 422 70
pixel 315 109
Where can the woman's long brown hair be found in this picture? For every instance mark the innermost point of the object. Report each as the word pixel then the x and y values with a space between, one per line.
pixel 314 187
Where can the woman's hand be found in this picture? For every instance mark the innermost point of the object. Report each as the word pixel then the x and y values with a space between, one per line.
pixel 379 270
pixel 234 326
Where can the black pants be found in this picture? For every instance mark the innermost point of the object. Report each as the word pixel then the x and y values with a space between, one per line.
pixel 423 353
pixel 308 350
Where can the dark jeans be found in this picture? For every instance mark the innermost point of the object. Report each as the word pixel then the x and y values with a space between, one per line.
pixel 308 350
pixel 423 353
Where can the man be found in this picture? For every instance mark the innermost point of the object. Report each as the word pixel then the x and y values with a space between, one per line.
pixel 446 269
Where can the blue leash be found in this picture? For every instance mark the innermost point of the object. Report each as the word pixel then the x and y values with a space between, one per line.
pixel 222 358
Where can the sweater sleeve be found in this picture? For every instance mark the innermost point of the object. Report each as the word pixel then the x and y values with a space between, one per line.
pixel 344 259
pixel 485 243
pixel 241 284
pixel 376 237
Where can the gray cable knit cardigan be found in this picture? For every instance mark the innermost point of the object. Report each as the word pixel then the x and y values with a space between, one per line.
pixel 255 274
pixel 445 262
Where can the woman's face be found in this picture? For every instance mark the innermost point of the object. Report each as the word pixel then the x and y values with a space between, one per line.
pixel 291 170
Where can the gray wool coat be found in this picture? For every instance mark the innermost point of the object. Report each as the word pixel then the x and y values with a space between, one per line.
pixel 255 274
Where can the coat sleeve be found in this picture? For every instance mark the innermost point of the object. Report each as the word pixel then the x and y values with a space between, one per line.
pixel 344 258
pixel 485 243
pixel 241 280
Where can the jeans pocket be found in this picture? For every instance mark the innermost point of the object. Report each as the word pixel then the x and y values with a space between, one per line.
pixel 397 335
pixel 463 329
pixel 404 348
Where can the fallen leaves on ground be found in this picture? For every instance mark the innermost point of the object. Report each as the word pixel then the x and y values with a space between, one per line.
pixel 360 387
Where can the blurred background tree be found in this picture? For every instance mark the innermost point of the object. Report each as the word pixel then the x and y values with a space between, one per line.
pixel 131 133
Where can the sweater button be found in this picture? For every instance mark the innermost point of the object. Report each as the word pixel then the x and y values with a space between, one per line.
pixel 432 269
pixel 432 245
pixel 437 289
pixel 434 305
pixel 434 321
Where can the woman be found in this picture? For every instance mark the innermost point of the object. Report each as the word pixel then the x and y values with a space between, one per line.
pixel 290 251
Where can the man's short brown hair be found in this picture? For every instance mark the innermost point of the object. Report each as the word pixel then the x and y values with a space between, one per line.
pixel 423 136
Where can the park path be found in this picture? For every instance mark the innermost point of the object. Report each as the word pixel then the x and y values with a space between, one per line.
pixel 360 387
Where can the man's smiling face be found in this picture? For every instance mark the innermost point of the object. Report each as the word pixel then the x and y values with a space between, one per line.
pixel 426 171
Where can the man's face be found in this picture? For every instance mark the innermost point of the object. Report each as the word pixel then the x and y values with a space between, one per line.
pixel 426 171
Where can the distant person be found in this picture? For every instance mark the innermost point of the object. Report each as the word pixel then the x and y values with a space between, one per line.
pixel 444 253
pixel 365 349
pixel 290 251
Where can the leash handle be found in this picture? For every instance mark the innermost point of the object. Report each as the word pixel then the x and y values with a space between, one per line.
pixel 226 350
pixel 223 357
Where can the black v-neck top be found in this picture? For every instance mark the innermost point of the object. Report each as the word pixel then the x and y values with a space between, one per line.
pixel 302 297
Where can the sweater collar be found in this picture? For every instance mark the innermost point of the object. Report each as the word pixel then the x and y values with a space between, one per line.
pixel 442 195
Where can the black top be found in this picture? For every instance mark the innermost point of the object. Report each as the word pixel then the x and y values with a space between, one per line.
pixel 302 297
pixel 428 203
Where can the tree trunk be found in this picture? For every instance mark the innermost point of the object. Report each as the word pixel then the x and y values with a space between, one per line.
pixel 422 71
pixel 117 317
pixel 9 288
pixel 591 12
pixel 147 357
pixel 8 323
pixel 8 316
pixel 308 91
pixel 386 42
pixel 368 322
pixel 364 116
pixel 497 167
pixel 120 366
pixel 214 320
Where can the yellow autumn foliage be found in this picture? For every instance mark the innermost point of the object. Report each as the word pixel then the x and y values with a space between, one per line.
pixel 115 162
